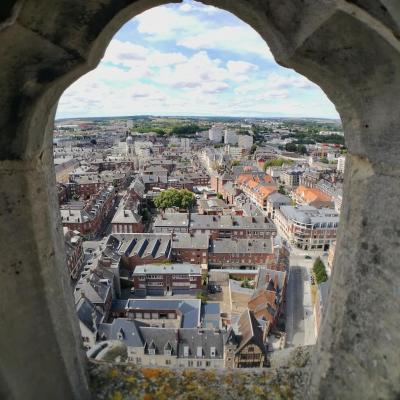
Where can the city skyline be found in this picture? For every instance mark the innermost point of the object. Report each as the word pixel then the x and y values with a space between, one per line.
pixel 196 61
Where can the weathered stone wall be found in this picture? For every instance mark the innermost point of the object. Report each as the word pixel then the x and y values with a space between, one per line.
pixel 349 48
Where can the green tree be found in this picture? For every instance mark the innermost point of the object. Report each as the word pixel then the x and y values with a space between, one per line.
pixel 184 130
pixel 202 296
pixel 253 149
pixel 282 189
pixel 324 160
pixel 182 198
pixel 290 147
pixel 301 149
pixel 219 196
pixel 320 271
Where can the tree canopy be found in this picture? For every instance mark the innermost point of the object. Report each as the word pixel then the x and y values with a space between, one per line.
pixel 320 271
pixel 182 198
pixel 184 130
pixel 276 162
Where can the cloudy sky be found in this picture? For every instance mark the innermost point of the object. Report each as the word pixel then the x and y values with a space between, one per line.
pixel 191 59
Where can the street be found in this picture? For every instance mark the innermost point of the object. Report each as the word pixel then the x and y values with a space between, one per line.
pixel 299 308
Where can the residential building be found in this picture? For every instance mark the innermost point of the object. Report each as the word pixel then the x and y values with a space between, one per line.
pixel 313 197
pixel 307 227
pixel 268 298
pixel 89 318
pixel 291 177
pixel 218 226
pixel 160 280
pixel 184 333
pixel 216 133
pixel 241 252
pixel 341 162
pixel 309 178
pixel 275 201
pixel 126 221
pixel 213 206
pixel 74 251
pixel 230 136
pixel 88 217
pixel 190 248
pixel 245 141
pixel 244 345
pixel 232 226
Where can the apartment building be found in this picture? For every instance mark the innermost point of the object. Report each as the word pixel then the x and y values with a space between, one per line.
pixel 160 280
pixel 308 227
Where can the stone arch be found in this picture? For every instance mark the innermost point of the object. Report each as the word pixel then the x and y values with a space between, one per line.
pixel 350 48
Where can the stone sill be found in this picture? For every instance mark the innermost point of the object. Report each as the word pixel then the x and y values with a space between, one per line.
pixel 286 380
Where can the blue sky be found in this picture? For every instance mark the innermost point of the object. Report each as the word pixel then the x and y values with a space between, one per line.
pixel 191 59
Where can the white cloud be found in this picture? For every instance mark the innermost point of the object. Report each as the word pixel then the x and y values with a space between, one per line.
pixel 164 22
pixel 131 55
pixel 237 39
pixel 198 8
pixel 137 79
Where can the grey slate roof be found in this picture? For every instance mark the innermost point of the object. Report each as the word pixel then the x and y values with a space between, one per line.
pixel 211 315
pixel 278 198
pixel 88 314
pixel 140 244
pixel 242 246
pixel 123 330
pixel 190 309
pixel 206 339
pixel 309 214
pixel 160 339
pixel 190 241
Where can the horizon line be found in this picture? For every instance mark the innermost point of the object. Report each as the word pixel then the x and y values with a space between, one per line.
pixel 194 116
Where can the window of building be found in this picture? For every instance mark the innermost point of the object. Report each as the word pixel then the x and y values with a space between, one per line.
pixel 186 351
pixel 199 351
pixel 190 363
pixel 167 362
pixel 212 351
pixel 199 363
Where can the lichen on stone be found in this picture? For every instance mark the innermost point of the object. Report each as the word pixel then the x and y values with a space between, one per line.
pixel 128 382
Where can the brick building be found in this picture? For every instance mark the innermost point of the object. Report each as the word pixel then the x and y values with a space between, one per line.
pixel 241 252
pixel 190 248
pixel 74 251
pixel 88 217
pixel 217 226
pixel 308 227
pixel 150 279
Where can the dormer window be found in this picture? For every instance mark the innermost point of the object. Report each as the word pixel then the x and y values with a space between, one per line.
pixel 212 352
pixel 186 351
pixel 199 351
pixel 167 349
pixel 152 349
pixel 120 334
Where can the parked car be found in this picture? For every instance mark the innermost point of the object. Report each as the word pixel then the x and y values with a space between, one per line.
pixel 212 289
pixel 307 257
